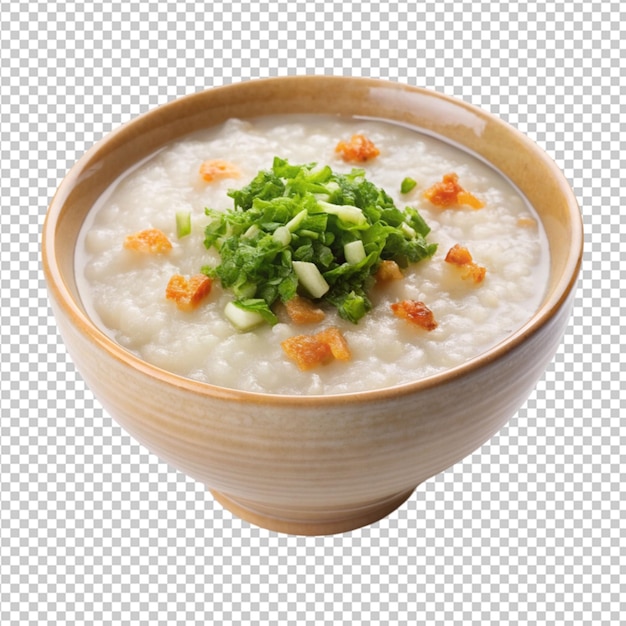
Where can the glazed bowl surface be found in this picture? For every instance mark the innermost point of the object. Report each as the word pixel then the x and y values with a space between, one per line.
pixel 315 464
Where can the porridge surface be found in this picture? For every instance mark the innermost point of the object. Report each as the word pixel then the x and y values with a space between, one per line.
pixel 124 291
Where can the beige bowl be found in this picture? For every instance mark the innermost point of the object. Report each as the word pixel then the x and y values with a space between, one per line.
pixel 316 464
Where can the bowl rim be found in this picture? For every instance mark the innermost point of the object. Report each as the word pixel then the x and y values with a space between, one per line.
pixel 557 297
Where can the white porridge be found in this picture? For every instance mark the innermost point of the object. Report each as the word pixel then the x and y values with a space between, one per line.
pixel 125 291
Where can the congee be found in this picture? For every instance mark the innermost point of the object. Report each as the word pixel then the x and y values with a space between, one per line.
pixel 311 255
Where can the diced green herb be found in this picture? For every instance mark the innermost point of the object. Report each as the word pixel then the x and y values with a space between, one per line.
pixel 310 278
pixel 345 213
pixel 247 314
pixel 282 235
pixel 305 228
pixel 354 251
pixel 408 184
pixel 183 223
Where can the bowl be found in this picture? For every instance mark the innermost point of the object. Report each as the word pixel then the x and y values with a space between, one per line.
pixel 315 465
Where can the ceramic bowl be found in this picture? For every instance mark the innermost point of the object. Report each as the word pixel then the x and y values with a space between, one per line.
pixel 315 464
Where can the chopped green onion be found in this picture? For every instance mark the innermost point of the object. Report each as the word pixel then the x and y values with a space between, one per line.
pixel 344 212
pixel 295 222
pixel 408 184
pixel 311 278
pixel 354 252
pixel 183 223
pixel 408 230
pixel 282 235
pixel 303 228
pixel 242 319
pixel 252 231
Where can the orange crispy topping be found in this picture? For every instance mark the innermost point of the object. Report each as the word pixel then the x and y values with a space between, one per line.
pixel 310 351
pixel 338 345
pixel 358 149
pixel 188 293
pixel 216 169
pixel 303 311
pixel 415 312
pixel 307 351
pixel 150 241
pixel 448 192
pixel 459 255
pixel 388 271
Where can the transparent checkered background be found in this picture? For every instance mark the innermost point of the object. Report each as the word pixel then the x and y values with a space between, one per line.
pixel 95 530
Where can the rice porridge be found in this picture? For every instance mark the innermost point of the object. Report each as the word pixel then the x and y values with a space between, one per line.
pixel 492 229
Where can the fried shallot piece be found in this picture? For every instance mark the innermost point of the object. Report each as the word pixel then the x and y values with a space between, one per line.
pixel 460 256
pixel 310 351
pixel 358 150
pixel 332 337
pixel 303 311
pixel 150 241
pixel 448 192
pixel 388 271
pixel 415 312
pixel 188 293
pixel 217 169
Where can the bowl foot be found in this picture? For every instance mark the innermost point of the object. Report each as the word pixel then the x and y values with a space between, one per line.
pixel 312 522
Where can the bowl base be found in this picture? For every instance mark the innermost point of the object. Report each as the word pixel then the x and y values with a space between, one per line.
pixel 317 522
